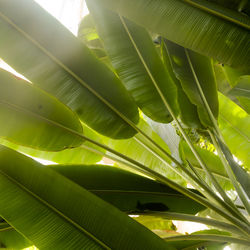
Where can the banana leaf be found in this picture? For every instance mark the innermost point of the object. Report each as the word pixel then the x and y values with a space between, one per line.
pixel 213 31
pixel 233 84
pixel 188 66
pixel 187 111
pixel 11 239
pixel 78 155
pixel 31 117
pixel 129 192
pixel 87 33
pixel 242 91
pixel 55 213
pixel 234 126
pixel 136 61
pixel 50 56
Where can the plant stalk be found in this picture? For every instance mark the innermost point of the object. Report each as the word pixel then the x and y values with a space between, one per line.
pixel 187 217
pixel 231 175
pixel 209 237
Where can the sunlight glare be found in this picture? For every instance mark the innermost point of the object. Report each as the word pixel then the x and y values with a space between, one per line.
pixel 68 12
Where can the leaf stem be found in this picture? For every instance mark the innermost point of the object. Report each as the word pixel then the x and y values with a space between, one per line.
pixel 209 237
pixel 231 175
pixel 242 226
pixel 203 165
pixel 211 116
pixel 187 217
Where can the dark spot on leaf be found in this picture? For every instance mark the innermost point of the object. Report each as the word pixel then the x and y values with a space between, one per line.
pixel 40 106
pixel 2 245
pixel 152 206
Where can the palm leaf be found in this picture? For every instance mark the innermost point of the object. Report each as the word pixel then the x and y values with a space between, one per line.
pixel 127 191
pixel 32 118
pixel 136 61
pixel 55 213
pixel 64 67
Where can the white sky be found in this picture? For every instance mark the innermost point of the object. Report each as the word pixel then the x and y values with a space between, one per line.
pixel 68 12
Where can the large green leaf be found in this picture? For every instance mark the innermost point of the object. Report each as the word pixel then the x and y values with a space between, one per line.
pixel 136 61
pixel 11 239
pixel 234 125
pixel 185 64
pixel 242 91
pixel 127 191
pixel 78 155
pixel 234 84
pixel 50 56
pixel 224 37
pixel 55 213
pixel 32 118
pixel 187 111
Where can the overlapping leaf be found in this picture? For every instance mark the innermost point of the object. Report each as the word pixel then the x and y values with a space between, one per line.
pixel 187 110
pixel 136 61
pixel 213 32
pixel 234 125
pixel 32 118
pixel 242 91
pixel 193 71
pixel 78 155
pixel 127 191
pixel 64 67
pixel 55 213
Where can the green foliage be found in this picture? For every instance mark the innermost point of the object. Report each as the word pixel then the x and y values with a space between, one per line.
pixel 91 98
pixel 136 61
pixel 234 125
pixel 40 194
pixel 129 192
pixel 35 111
pixel 65 68
pixel 178 21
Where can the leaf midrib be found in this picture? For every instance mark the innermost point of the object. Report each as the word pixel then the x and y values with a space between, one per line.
pixel 48 121
pixel 237 19
pixel 79 227
pixel 118 191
